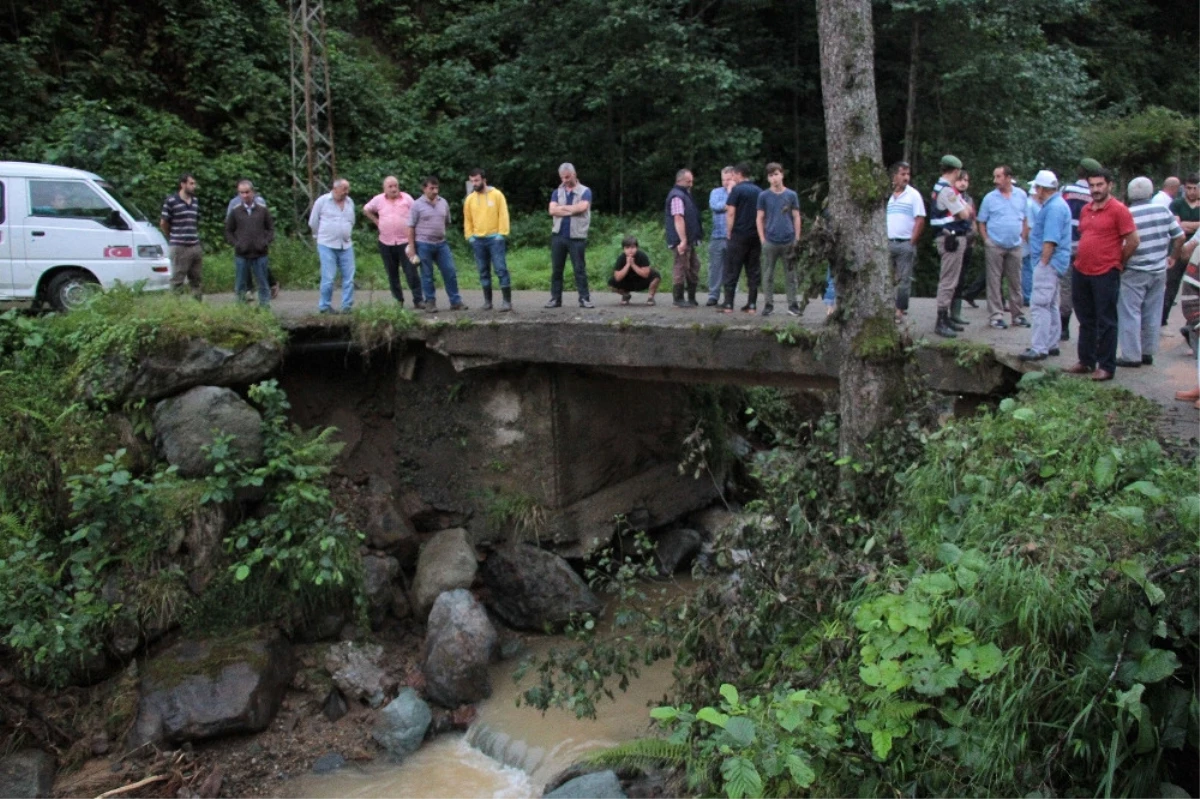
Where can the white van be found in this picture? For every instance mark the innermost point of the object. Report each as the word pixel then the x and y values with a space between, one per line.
pixel 63 231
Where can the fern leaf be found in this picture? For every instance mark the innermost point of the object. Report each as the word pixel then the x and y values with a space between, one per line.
pixel 640 752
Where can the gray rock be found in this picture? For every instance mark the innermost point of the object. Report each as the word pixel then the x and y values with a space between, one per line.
pixel 459 642
pixel 185 424
pixel 402 724
pixel 357 671
pixel 334 706
pixel 206 688
pixel 675 549
pixel 203 533
pixel 26 774
pixel 447 562
pixel 714 521
pixel 386 525
pixel 190 363
pixel 531 588
pixel 600 785
pixel 328 762
pixel 379 576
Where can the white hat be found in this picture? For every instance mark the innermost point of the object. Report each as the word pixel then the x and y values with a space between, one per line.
pixel 1046 179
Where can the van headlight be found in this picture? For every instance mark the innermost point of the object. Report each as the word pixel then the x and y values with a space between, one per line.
pixel 150 251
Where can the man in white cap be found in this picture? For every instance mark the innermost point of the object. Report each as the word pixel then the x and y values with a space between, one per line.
pixel 1144 279
pixel 1050 246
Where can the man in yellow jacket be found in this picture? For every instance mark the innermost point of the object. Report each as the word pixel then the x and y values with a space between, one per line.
pixel 485 225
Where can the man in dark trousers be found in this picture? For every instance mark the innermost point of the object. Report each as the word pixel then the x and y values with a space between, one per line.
pixel 745 248
pixel 249 229
pixel 685 232
pixel 1107 239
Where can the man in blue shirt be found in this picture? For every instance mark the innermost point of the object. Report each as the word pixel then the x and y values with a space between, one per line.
pixel 1001 221
pixel 778 222
pixel 745 248
pixel 1050 243
pixel 720 236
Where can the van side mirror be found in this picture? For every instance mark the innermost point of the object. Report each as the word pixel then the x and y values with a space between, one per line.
pixel 116 221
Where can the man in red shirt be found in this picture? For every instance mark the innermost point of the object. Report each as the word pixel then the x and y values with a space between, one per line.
pixel 1107 238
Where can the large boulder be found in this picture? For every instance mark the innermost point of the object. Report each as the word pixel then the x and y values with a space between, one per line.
pixel 185 424
pixel 675 549
pixel 402 724
pixel 533 589
pixel 207 688
pixel 379 577
pixel 446 562
pixel 358 672
pixel 459 641
pixel 599 785
pixel 193 362
pixel 27 774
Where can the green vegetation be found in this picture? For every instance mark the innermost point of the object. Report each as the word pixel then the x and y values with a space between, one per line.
pixel 1004 606
pixel 89 520
pixel 518 514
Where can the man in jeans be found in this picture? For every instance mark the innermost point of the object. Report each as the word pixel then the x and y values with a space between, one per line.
pixel 571 212
pixel 684 232
pixel 180 223
pixel 427 240
pixel 389 212
pixel 1144 280
pixel 1107 239
pixel 720 237
pixel 485 225
pixel 1001 223
pixel 249 229
pixel 1050 246
pixel 745 248
pixel 332 221
pixel 778 222
pixel 905 221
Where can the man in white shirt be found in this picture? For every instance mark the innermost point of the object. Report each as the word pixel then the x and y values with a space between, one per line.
pixel 905 221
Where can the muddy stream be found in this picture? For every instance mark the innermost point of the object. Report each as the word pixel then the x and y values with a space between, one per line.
pixel 509 751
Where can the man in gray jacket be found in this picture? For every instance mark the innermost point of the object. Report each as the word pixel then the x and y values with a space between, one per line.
pixel 571 212
pixel 331 221
pixel 249 229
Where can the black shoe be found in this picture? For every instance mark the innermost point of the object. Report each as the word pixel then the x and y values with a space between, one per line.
pixel 1054 353
pixel 1128 364
pixel 458 306
pixel 970 302
pixel 942 326
pixel 712 302
pixel 586 303
pixel 1031 355
pixel 1147 360
pixel 794 310
pixel 749 308
pixel 768 310
pixel 555 302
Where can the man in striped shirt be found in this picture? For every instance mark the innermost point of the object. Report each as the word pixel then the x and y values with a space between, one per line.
pixel 1144 280
pixel 180 223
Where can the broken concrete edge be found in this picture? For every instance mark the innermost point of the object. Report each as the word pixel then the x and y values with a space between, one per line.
pixel 737 354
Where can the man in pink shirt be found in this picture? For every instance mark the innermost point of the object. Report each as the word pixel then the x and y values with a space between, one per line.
pixel 390 212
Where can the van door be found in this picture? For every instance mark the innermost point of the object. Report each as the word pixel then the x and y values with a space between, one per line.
pixel 70 223
pixel 8 251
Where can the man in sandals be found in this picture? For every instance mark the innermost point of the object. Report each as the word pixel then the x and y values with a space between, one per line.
pixel 632 272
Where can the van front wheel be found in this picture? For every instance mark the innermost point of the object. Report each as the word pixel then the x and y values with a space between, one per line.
pixel 70 290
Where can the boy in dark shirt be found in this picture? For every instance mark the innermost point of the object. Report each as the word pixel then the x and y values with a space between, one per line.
pixel 632 272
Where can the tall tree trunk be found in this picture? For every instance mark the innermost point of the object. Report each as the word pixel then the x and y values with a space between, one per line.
pixel 872 369
pixel 910 117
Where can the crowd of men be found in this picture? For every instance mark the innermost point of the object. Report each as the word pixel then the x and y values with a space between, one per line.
pixel 1058 250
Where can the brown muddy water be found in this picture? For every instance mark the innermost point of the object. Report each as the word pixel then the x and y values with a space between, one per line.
pixel 509 751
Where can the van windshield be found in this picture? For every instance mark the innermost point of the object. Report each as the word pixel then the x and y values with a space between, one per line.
pixel 129 207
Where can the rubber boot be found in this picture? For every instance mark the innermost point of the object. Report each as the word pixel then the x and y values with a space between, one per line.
pixel 677 293
pixel 943 328
pixel 487 298
pixel 956 320
pixel 506 304
pixel 1066 331
pixel 691 296
pixel 727 303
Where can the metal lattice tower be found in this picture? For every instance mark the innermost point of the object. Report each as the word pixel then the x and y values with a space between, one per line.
pixel 313 164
